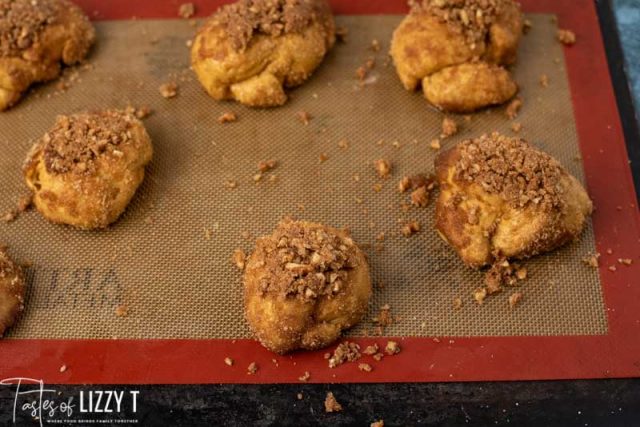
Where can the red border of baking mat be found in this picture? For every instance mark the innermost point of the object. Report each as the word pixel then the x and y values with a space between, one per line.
pixel 616 223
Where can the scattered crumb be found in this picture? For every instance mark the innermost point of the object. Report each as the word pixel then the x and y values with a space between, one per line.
pixel 343 143
pixel 379 423
pixel 404 184
pixel 267 165
pixel 375 45
pixel 323 157
pixel 479 295
pixel 344 352
pixel 303 117
pixel 143 112
pixel 377 187
pixel 384 318
pixel 370 350
pixel 122 310
pixel 566 37
pixel 365 367
pixel 514 108
pixel 612 268
pixel 457 303
pixel 435 144
pixel 300 396
pixel 63 368
pixel 592 260
pixel 227 117
pixel 25 203
pixel 10 216
pixel 392 348
pixel 378 357
pixel 420 197
pixel 208 233
pixel 514 299
pixel 526 26
pixel 331 404
pixel 410 228
pixel 502 273
pixel 516 127
pixel 186 10
pixel 361 73
pixel 228 361
pixel 625 261
pixel 239 259
pixel 544 80
pixel 521 273
pixel 305 377
pixel 449 127
pixel 230 183
pixel 168 90
pixel 383 168
pixel 252 368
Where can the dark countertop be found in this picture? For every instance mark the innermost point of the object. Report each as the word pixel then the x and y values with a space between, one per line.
pixel 627 14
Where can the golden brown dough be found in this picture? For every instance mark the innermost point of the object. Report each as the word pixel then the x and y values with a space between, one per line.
pixel 502 198
pixel 456 50
pixel 468 87
pixel 250 50
pixel 36 36
pixel 304 285
pixel 86 169
pixel 12 291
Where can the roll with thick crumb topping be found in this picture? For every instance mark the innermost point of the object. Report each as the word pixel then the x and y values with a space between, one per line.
pixel 86 169
pixel 304 285
pixel 502 198
pixel 36 37
pixel 457 50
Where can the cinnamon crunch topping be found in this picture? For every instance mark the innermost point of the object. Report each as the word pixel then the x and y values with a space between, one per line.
pixel 511 168
pixel 305 261
pixel 77 141
pixel 22 21
pixel 471 18
pixel 246 18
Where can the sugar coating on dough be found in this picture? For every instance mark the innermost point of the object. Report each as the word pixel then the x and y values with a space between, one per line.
pixel 252 49
pixel 12 291
pixel 455 49
pixel 86 169
pixel 502 198
pixel 35 38
pixel 304 284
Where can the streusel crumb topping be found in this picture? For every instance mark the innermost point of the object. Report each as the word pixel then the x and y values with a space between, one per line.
pixel 77 141
pixel 306 262
pixel 511 168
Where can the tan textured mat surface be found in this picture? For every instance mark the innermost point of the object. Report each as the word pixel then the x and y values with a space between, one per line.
pixel 179 284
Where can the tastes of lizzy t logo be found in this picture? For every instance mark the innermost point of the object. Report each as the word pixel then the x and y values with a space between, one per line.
pixel 31 398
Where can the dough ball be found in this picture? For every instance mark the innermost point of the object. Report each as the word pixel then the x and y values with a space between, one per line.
pixel 36 37
pixel 304 285
pixel 252 50
pixel 502 198
pixel 86 169
pixel 457 49
pixel 12 291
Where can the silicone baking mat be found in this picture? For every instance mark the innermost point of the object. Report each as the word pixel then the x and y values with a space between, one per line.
pixel 168 259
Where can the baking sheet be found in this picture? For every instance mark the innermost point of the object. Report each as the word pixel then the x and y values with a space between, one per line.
pixel 177 283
